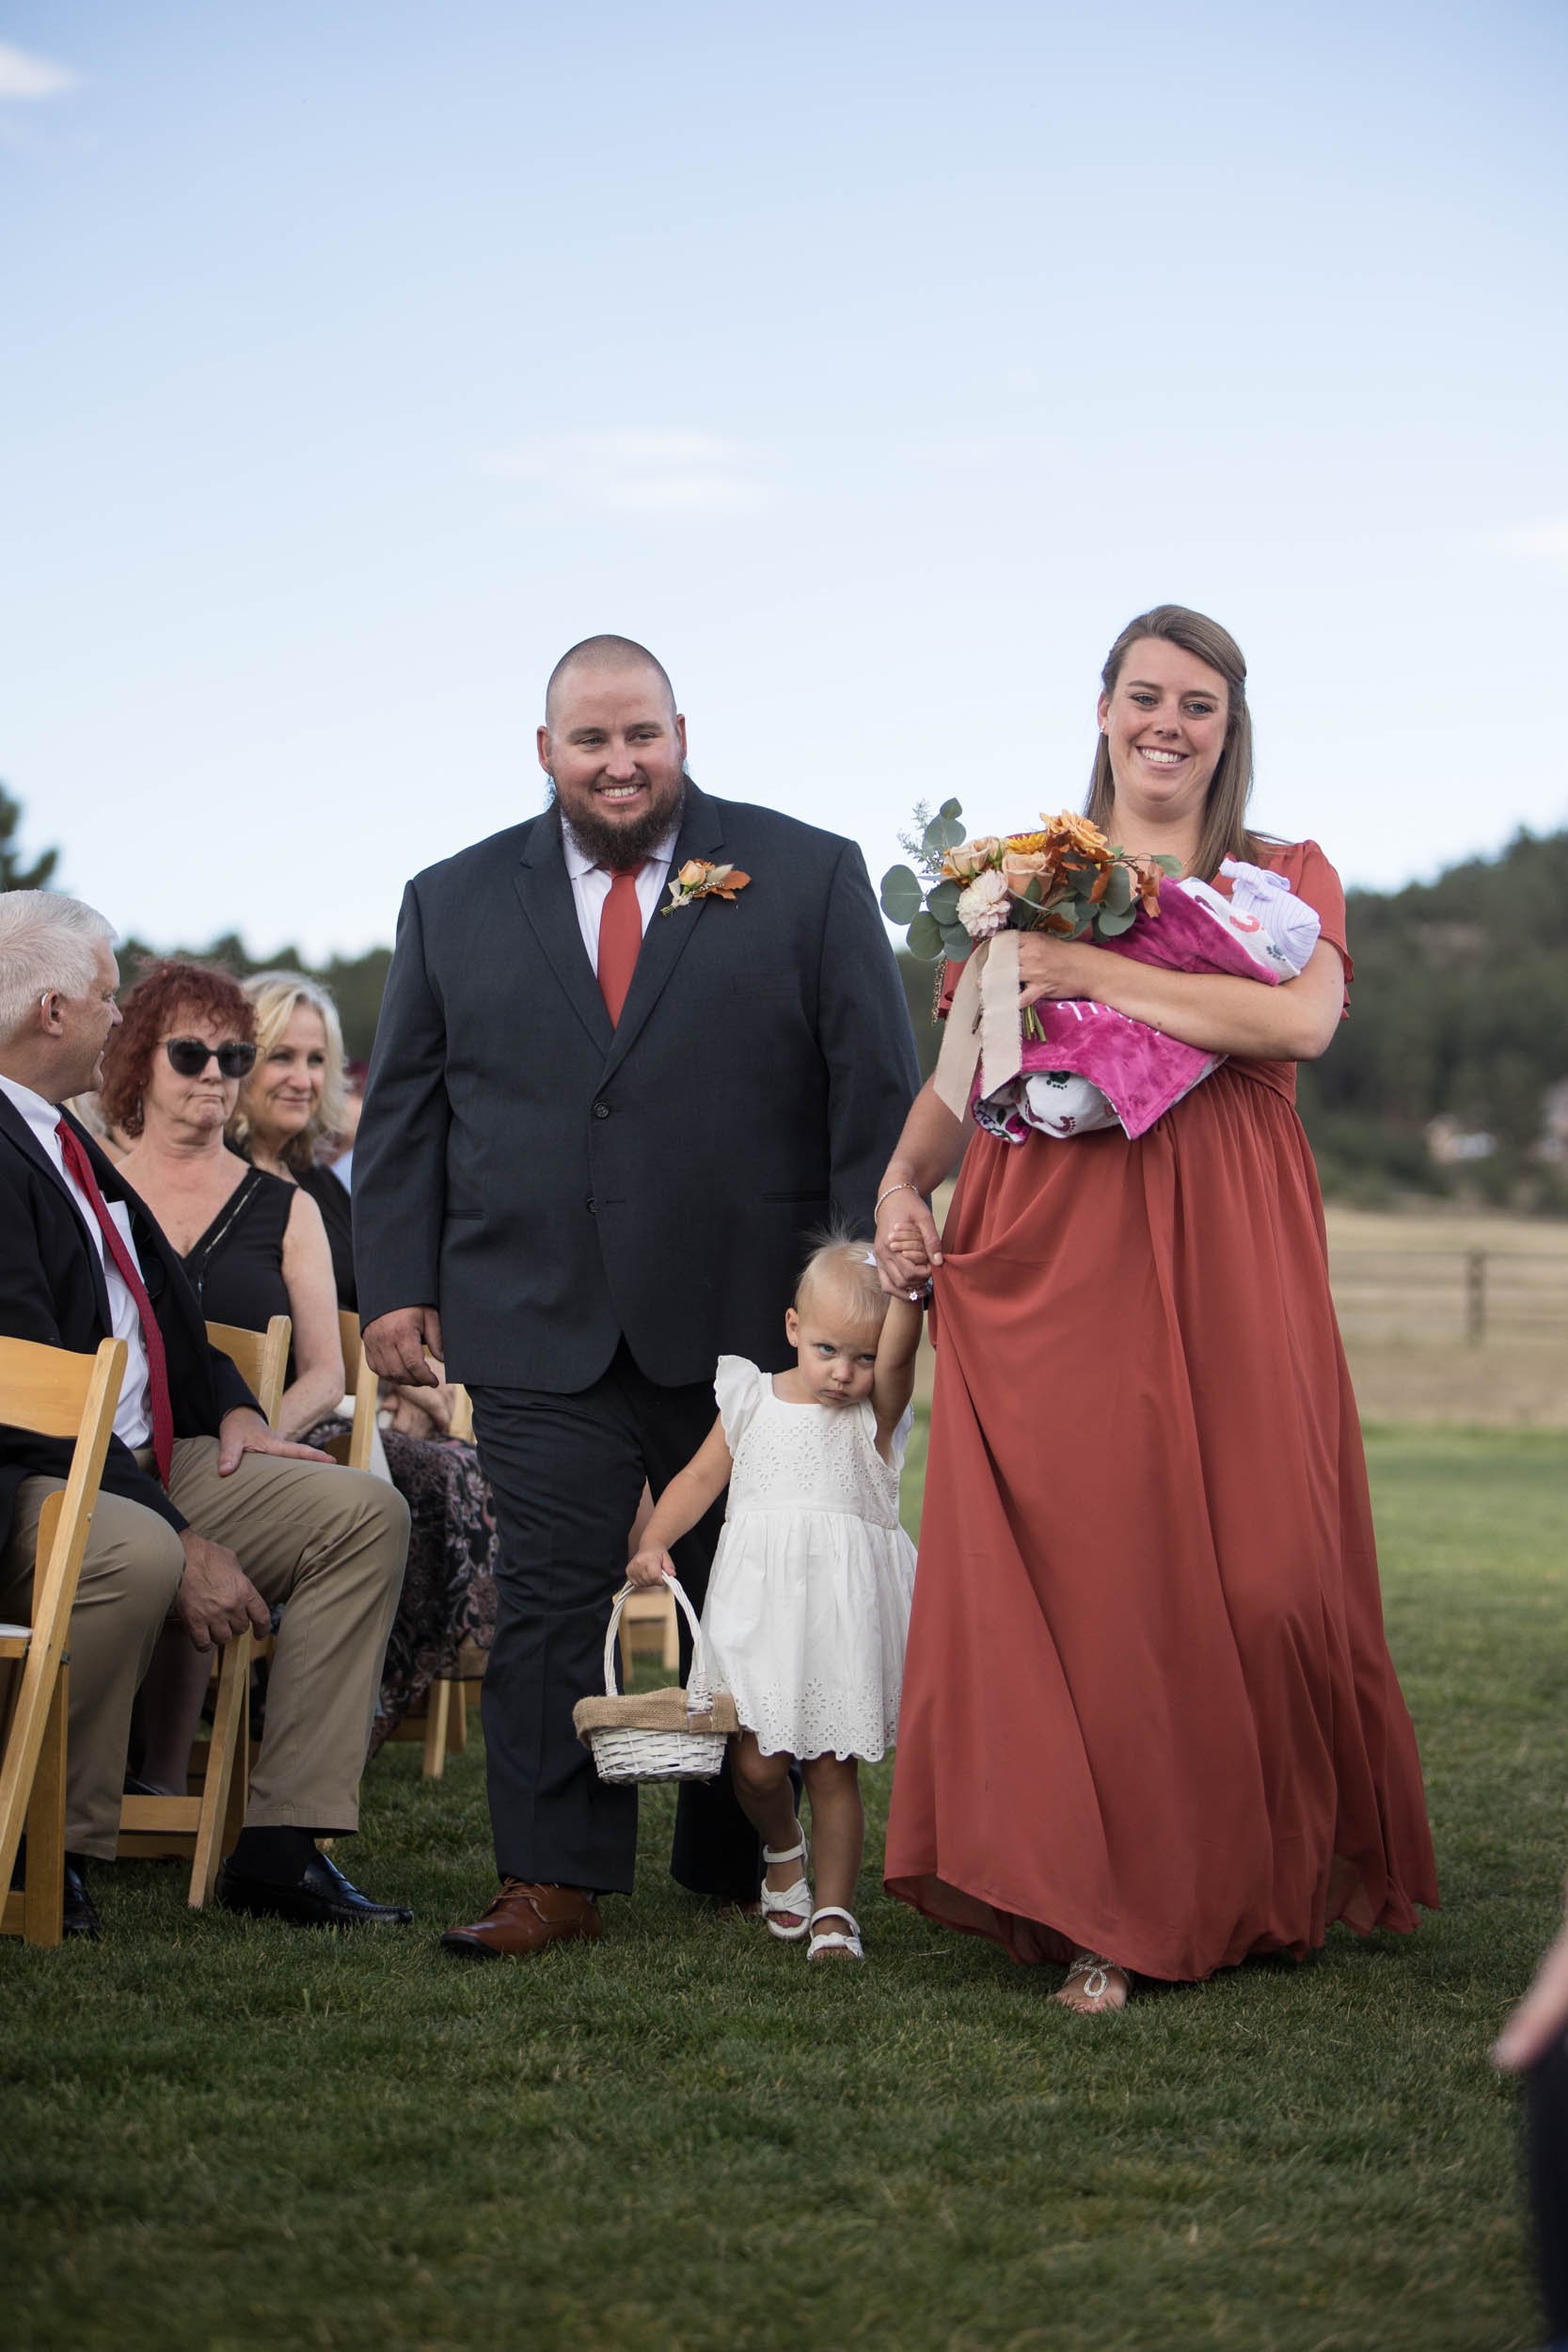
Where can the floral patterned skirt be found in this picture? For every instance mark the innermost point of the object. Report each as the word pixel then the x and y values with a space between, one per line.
pixel 449 1587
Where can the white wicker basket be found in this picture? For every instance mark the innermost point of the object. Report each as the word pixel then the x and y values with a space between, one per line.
pixel 659 1734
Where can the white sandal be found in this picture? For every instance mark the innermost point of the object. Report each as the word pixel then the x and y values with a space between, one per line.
pixel 795 1899
pixel 1095 1985
pixel 833 1939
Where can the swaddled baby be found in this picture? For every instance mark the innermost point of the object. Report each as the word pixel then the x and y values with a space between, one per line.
pixel 1098 1068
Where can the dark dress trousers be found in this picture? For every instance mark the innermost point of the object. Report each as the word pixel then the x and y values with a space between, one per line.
pixel 599 1212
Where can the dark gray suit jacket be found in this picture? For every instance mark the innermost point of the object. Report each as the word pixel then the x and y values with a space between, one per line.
pixel 552 1183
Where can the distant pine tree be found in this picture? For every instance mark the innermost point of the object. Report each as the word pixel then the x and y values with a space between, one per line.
pixel 13 874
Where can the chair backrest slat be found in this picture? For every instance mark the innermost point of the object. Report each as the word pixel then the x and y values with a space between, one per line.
pixel 261 1358
pixel 43 1388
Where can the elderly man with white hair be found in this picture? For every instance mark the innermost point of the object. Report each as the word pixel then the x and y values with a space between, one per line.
pixel 195 1482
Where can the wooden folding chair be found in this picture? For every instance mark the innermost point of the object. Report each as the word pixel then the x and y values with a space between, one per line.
pixel 210 1816
pixel 648 1622
pixel 443 1723
pixel 354 1449
pixel 55 1394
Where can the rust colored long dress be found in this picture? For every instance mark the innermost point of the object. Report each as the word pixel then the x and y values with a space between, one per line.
pixel 1147 1707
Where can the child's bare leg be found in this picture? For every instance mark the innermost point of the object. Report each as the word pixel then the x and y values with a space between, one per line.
pixel 169 1708
pixel 768 1801
pixel 837 1832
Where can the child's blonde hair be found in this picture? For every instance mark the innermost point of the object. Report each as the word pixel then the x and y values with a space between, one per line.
pixel 846 1263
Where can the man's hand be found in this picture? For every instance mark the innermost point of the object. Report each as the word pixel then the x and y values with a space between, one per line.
pixel 400 1345
pixel 242 1431
pixel 216 1600
pixel 648 1568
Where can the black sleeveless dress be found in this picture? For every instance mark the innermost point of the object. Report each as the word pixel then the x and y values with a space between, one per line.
pixel 237 1266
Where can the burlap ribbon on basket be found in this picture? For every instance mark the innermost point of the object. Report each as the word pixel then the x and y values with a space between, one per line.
pixel 654 1710
pixel 982 1025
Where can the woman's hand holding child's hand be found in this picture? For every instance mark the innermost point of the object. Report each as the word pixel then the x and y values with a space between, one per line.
pixel 649 1568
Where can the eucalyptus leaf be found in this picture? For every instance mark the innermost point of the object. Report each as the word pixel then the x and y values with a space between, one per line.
pixel 923 937
pixel 1034 890
pixel 1112 923
pixel 942 833
pixel 942 900
pixel 950 808
pixel 956 941
pixel 1119 893
pixel 902 895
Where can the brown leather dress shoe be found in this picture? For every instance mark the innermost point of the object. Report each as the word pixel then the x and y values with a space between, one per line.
pixel 523 1918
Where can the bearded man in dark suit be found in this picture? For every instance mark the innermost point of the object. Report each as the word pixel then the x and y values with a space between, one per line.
pixel 595 1139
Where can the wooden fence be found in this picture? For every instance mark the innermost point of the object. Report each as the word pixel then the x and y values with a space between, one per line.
pixel 1475 1295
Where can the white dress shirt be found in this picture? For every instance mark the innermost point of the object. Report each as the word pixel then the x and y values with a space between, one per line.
pixel 133 1415
pixel 590 885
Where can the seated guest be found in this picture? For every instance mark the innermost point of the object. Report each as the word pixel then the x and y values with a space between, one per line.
pixel 252 1246
pixel 287 1104
pixel 192 1470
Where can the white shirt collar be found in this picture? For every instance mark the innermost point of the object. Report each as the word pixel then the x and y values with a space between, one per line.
pixel 42 1117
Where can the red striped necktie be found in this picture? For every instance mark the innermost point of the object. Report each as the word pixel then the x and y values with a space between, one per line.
pixel 80 1165
pixel 620 937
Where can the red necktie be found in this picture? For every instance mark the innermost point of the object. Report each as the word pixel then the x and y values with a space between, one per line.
pixel 80 1165
pixel 620 938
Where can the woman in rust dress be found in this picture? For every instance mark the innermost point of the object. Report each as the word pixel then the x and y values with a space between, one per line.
pixel 1149 1721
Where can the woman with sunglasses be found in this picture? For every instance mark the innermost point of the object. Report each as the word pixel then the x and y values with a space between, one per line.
pixel 253 1245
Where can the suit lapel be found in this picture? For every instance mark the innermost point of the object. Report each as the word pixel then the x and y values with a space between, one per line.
pixel 17 1131
pixel 667 937
pixel 544 888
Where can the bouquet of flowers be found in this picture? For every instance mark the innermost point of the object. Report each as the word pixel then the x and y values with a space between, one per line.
pixel 1071 1066
pixel 1066 878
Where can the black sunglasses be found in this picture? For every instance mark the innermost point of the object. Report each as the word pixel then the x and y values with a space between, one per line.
pixel 190 1056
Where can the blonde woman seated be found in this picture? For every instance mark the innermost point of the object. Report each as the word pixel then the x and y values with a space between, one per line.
pixel 252 1245
pixel 288 1106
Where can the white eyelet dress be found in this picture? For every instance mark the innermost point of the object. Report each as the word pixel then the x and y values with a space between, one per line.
pixel 808 1604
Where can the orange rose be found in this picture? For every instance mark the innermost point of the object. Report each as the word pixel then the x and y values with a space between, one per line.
pixel 1021 866
pixel 1076 835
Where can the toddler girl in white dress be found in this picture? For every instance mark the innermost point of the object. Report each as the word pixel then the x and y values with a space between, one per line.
pixel 808 1604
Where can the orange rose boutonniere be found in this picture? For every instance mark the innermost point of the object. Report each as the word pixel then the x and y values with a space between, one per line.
pixel 698 879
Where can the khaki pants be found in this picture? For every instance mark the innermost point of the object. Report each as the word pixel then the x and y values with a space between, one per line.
pixel 329 1543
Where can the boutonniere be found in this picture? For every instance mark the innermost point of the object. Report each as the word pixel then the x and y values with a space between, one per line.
pixel 699 879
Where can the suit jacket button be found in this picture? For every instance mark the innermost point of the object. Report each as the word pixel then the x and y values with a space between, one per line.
pixel 601 1110
pixel 588 1204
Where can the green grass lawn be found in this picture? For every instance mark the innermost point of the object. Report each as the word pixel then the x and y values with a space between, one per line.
pixel 220 2135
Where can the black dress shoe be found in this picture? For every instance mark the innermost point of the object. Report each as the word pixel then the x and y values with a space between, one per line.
pixel 319 1898
pixel 78 1912
pixel 81 1913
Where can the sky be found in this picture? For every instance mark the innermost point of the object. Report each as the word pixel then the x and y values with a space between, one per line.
pixel 872 364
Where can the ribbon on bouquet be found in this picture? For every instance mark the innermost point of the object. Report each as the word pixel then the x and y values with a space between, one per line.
pixel 982 1025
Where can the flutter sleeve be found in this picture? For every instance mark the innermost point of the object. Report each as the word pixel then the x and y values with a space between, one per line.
pixel 737 1390
pixel 1314 880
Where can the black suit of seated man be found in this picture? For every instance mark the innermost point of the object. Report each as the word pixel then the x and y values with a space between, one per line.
pixel 579 1214
pixel 327 1543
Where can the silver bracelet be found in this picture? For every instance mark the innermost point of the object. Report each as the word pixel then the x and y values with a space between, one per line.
pixel 905 1186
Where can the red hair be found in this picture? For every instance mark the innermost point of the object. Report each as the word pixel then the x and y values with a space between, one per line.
pixel 167 993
